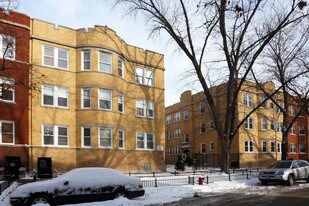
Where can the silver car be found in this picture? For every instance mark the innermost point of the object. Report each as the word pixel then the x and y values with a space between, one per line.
pixel 287 171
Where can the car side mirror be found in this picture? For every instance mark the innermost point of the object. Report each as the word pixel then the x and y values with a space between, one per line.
pixel 65 182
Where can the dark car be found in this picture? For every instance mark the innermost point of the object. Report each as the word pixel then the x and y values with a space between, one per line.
pixel 287 171
pixel 77 186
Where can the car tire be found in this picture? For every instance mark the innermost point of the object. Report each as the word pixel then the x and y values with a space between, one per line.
pixel 307 180
pixel 41 198
pixel 264 182
pixel 118 194
pixel 290 181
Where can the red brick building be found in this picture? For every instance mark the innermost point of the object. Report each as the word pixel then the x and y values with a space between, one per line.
pixel 14 91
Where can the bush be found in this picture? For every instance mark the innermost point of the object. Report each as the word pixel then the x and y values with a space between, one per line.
pixel 180 166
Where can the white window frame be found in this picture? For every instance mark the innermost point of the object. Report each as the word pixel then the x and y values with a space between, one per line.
pixel 177 149
pixel 249 146
pixel 144 141
pixel 168 135
pixel 83 136
pixel 144 106
pixel 177 117
pixel 105 95
pixel 264 123
pixel 262 98
pixel 203 148
pixel 83 97
pixel 291 110
pixel 121 138
pixel 279 127
pixel 55 57
pixel 248 100
pixel 9 83
pixel 168 119
pixel 57 92
pixel 202 107
pixel 293 130
pixel 55 135
pixel 273 146
pixel 110 138
pixel 120 68
pixel 177 133
pixel 264 146
pixel 186 115
pixel 84 61
pixel 103 63
pixel 272 124
pixel 168 150
pixel 121 102
pixel 279 147
pixel 186 138
pixel 10 48
pixel 202 127
pixel 302 148
pixel 13 132
pixel 249 123
pixel 301 130
pixel 292 148
pixel 211 146
pixel 142 76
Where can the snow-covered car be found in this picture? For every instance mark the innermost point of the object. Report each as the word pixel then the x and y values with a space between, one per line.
pixel 287 171
pixel 77 186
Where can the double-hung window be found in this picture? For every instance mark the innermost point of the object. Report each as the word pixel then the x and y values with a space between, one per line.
pixel 121 103
pixel 185 115
pixel 272 124
pixel 55 135
pixel 264 123
pixel 291 110
pixel 264 146
pixel 203 148
pixel 177 133
pixel 211 146
pixel 211 125
pixel 105 137
pixel 145 140
pixel 202 128
pixel 293 148
pixel 202 107
pixel 86 136
pixel 144 76
pixel 279 147
pixel 168 119
pixel 292 130
pixel 55 96
pixel 262 99
pixel 301 129
pixel 249 123
pixel 248 100
pixel 55 57
pixel 105 62
pixel 177 117
pixel 86 60
pixel 144 108
pixel 7 134
pixel 105 99
pixel 7 91
pixel 168 135
pixel 248 146
pixel 121 139
pixel 86 98
pixel 272 146
pixel 302 148
pixel 7 46
pixel 120 67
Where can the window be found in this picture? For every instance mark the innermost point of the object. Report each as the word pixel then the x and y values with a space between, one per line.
pixel 302 129
pixel 105 99
pixel 86 98
pixel 177 150
pixel 145 140
pixel 177 117
pixel 263 97
pixel 86 136
pixel 249 123
pixel 211 125
pixel 105 62
pixel 248 146
pixel 144 76
pixel 264 146
pixel 202 107
pixel 300 110
pixel 293 148
pixel 203 148
pixel 86 60
pixel 177 133
pixel 279 147
pixel 264 123
pixel 186 138
pixel 7 46
pixel 168 135
pixel 185 115
pixel 272 146
pixel 272 124
pixel 248 100
pixel 7 135
pixel 121 103
pixel 120 67
pixel 144 108
pixel 292 130
pixel 55 57
pixel 55 135
pixel 279 127
pixel 168 119
pixel 55 96
pixel 211 146
pixel 302 148
pixel 121 138
pixel 105 137
pixel 168 150
pixel 291 111
pixel 202 128
pixel 7 91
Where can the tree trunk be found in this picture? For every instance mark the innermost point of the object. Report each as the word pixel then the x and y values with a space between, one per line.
pixel 284 146
pixel 225 156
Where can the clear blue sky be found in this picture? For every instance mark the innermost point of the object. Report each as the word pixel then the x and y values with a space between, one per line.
pixel 87 13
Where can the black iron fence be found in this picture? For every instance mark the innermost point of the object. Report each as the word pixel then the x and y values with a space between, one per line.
pixel 5 183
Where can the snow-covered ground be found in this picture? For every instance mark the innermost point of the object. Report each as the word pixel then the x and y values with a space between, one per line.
pixel 164 194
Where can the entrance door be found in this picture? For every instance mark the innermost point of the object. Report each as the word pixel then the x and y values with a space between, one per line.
pixel 12 165
pixel 45 167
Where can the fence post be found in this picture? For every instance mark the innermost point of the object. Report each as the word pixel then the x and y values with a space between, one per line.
pixel 153 173
pixel 229 176
pixel 247 175
pixel 130 174
pixel 156 182
pixel 207 179
pixel 193 180
pixel 175 172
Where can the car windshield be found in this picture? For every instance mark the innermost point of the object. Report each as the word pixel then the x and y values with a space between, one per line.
pixel 280 164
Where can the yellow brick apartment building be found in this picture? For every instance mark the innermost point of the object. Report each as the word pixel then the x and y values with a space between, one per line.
pixel 100 102
pixel 189 128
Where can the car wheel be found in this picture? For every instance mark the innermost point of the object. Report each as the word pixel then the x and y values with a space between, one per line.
pixel 264 182
pixel 120 194
pixel 43 199
pixel 290 181
pixel 307 180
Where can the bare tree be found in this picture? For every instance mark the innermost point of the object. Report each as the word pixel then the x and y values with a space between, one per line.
pixel 238 31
